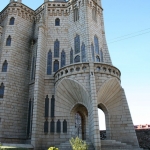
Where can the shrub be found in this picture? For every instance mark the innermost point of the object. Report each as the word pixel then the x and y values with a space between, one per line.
pixel 78 144
pixel 53 148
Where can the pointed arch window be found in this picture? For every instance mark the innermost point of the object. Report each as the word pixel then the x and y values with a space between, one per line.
pixel 77 59
pixel 58 126
pixel 12 21
pixel 71 56
pixel 52 126
pixel 56 48
pixel 2 90
pixel 4 67
pixel 92 50
pixel 76 14
pixel 97 59
pixel 8 41
pixel 77 44
pixel 56 65
pixel 64 126
pixel 57 22
pixel 46 126
pixel 96 44
pixel 49 63
pixel 63 58
pixel 30 116
pixel 83 52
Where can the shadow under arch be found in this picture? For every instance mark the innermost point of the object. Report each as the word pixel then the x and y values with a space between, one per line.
pixel 107 120
pixel 79 115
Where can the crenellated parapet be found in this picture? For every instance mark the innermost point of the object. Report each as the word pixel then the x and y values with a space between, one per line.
pixel 19 9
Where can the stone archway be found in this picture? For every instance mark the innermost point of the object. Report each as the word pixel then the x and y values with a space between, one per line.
pixel 79 115
pixel 112 100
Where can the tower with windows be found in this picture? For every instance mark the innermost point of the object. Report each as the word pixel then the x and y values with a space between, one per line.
pixel 56 72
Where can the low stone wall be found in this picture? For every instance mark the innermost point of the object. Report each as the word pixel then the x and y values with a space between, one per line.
pixel 143 136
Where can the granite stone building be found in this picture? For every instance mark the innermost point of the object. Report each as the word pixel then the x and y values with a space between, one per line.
pixel 55 72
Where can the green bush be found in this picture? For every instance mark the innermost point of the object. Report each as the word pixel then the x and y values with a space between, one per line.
pixel 53 148
pixel 78 144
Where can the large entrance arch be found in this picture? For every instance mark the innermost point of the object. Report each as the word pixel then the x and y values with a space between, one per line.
pixel 79 115
pixel 111 99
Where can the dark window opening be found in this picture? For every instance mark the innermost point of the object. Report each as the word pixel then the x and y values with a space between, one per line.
pixel 2 90
pixel 58 126
pixel 52 126
pixel 49 63
pixel 63 58
pixel 56 65
pixel 4 67
pixel 12 21
pixel 57 22
pixel 56 48
pixel 8 41
pixel 64 126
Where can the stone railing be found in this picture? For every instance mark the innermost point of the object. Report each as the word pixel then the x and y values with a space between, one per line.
pixel 79 68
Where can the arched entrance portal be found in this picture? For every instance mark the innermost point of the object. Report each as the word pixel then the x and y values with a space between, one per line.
pixel 80 114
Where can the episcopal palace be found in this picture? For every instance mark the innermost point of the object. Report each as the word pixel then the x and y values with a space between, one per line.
pixel 55 73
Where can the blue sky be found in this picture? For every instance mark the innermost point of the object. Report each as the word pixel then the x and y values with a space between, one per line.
pixel 131 54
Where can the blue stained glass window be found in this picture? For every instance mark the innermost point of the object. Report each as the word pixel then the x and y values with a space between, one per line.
pixel 63 58
pixel 101 55
pixel 2 90
pixel 56 65
pixel 57 22
pixel 56 48
pixel 96 45
pixel 97 59
pixel 4 67
pixel 83 52
pixel 8 41
pixel 77 59
pixel 77 44
pixel 49 63
pixel 71 56
pixel 92 50
pixel 12 21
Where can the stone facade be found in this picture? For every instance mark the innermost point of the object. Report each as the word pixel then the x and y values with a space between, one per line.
pixel 58 68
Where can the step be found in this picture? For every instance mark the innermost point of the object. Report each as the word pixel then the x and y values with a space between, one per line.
pixel 29 146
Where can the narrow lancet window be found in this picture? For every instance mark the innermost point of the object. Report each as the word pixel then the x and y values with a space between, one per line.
pixel 46 126
pixel 58 126
pixel 52 126
pixel 77 44
pixel 64 126
pixel 4 67
pixel 71 56
pixel 76 14
pixel 83 52
pixel 8 41
pixel 56 48
pixel 56 65
pixel 49 63
pixel 52 106
pixel 12 21
pixel 2 90
pixel 63 58
pixel 57 22
pixel 46 106
pixel 96 45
